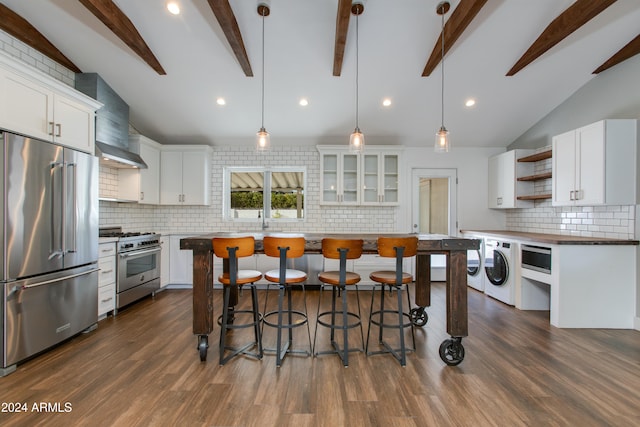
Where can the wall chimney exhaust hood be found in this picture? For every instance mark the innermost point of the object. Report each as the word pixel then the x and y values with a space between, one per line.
pixel 112 124
pixel 116 157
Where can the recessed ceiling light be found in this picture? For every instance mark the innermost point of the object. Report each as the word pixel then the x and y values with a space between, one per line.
pixel 470 102
pixel 173 7
pixel 386 102
pixel 221 101
pixel 303 102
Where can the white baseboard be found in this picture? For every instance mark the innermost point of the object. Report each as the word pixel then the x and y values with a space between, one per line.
pixel 178 286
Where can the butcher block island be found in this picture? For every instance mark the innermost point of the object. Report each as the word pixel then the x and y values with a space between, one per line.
pixel 589 282
pixel 454 248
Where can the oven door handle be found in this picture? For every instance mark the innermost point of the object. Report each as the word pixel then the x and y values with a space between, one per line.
pixel 139 253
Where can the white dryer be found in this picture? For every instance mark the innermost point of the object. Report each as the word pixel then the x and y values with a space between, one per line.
pixel 499 266
pixel 475 265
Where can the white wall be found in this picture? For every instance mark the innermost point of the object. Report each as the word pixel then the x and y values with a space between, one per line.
pixel 471 165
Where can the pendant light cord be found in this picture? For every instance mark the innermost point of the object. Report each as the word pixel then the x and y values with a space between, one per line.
pixel 357 71
pixel 263 12
pixel 442 69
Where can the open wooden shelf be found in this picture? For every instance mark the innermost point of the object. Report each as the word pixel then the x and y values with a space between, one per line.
pixel 535 197
pixel 536 157
pixel 537 177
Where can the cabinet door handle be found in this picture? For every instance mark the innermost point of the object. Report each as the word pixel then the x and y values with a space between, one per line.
pixel 59 128
pixel 571 195
pixel 142 195
pixel 51 126
pixel 499 201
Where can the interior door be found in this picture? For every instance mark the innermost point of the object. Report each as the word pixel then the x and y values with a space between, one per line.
pixel 434 199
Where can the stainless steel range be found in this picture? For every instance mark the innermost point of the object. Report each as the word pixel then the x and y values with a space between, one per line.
pixel 138 265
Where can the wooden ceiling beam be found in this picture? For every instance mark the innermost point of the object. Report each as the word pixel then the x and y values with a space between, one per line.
pixel 21 29
pixel 342 28
pixel 574 17
pixel 111 16
pixel 630 49
pixel 227 20
pixel 453 29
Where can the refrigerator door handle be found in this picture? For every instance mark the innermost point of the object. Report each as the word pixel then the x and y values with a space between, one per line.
pixel 74 209
pixel 56 250
pixel 59 279
pixel 13 290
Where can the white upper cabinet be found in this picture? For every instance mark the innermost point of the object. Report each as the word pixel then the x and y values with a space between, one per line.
pixel 39 106
pixel 368 178
pixel 596 164
pixel 149 150
pixel 380 176
pixel 185 175
pixel 340 175
pixel 504 187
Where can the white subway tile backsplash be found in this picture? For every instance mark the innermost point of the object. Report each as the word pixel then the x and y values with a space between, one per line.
pixel 616 222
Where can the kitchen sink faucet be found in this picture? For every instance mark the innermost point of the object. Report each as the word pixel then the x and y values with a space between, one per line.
pixel 265 225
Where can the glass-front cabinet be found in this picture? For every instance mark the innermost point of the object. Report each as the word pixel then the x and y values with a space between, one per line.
pixel 380 178
pixel 369 178
pixel 340 177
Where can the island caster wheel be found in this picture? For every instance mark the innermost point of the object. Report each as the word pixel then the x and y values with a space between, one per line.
pixel 203 346
pixel 452 351
pixel 419 316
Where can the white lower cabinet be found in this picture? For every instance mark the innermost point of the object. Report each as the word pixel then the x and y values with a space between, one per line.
pixel 165 243
pixel 106 278
pixel 180 263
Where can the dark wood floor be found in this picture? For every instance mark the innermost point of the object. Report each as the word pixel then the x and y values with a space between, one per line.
pixel 142 368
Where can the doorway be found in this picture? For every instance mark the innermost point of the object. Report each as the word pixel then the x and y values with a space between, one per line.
pixel 434 196
pixel 434 200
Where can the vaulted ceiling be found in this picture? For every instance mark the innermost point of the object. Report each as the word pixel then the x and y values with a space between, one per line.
pixel 518 59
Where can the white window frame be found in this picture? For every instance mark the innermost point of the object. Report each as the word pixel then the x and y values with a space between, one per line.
pixel 267 171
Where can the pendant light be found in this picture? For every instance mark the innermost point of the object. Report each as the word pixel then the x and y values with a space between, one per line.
pixel 442 136
pixel 263 140
pixel 356 140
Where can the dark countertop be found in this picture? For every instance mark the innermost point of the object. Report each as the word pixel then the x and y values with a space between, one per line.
pixel 427 242
pixel 553 239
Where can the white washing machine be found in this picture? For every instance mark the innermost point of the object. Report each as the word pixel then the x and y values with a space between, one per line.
pixel 475 265
pixel 500 270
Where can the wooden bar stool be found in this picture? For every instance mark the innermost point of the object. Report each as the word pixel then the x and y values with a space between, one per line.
pixel 398 248
pixel 286 248
pixel 342 249
pixel 232 248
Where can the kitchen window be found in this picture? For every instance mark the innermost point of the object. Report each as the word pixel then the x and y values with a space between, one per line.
pixel 255 194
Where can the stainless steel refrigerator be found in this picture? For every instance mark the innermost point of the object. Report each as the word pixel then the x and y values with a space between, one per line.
pixel 49 248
